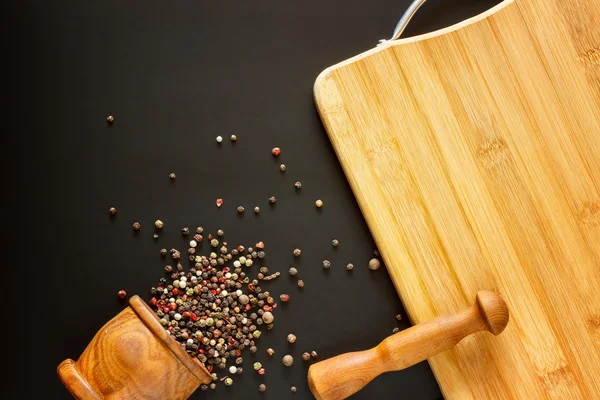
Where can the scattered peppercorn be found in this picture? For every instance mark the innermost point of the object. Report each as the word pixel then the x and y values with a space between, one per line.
pixel 257 365
pixel 228 381
pixel 219 202
pixel 112 211
pixel 122 294
pixel 270 351
pixel 219 139
pixel 155 236
pixel 158 224
pixel 136 226
pixel 306 356
pixel 232 369
pixel 374 264
pixel 293 389
pixel 220 232
pixel 256 210
pixel 300 283
pixel 288 360
pixel 172 176
pixel 335 243
pixel 298 184
pixel 291 338
pixel 276 151
pixel 262 387
pixel 326 264
pixel 240 209
pixel 297 252
pixel 396 330
pixel 350 266
pixel 399 317
pixel 272 200
pixel 319 203
pixel 284 298
pixel 199 230
pixel 282 167
pixel 110 119
pixel 293 271
pixel 313 354
pixel 268 317
pixel 233 138
pixel 375 253
pixel 163 252
pixel 213 385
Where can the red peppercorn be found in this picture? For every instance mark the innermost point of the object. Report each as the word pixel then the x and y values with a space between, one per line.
pixel 122 294
pixel 241 248
pixel 218 290
pixel 201 351
pixel 172 306
pixel 219 202
pixel 185 314
pixel 166 309
pixel 284 298
pixel 193 317
pixel 175 292
pixel 231 341
pixel 184 297
pixel 153 301
pixel 276 151
pixel 260 245
pixel 226 270
pixel 261 371
pixel 210 368
pixel 222 279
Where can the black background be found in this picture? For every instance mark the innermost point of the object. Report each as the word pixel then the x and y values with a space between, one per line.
pixel 175 75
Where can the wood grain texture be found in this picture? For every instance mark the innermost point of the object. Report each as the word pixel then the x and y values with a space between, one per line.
pixel 474 154
pixel 342 376
pixel 132 357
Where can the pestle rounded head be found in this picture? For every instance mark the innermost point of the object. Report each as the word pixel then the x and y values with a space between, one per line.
pixel 494 310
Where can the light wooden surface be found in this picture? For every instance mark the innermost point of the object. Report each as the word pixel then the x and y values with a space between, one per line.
pixel 474 154
pixel 342 376
pixel 133 357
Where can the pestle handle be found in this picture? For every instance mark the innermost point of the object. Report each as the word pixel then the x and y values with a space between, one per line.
pixel 340 377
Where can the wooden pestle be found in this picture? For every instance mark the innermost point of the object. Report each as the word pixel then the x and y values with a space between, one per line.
pixel 341 376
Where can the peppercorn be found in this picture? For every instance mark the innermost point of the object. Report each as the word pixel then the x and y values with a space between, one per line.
pixel 136 226
pixel 284 298
pixel 122 294
pixel 261 255
pixel 270 351
pixel 319 203
pixel 287 360
pixel 298 185
pixel 268 317
pixel 396 330
pixel 185 231
pixel 199 230
pixel 233 138
pixel 232 369
pixel 291 338
pixel 262 387
pixel 272 199
pixel 219 202
pixel 198 238
pixel 175 254
pixel 155 236
pixel 110 119
pixel 349 266
pixel 253 349
pixel 293 389
pixel 313 354
pixel 257 365
pixel 213 385
pixel 168 269
pixel 240 209
pixel 306 356
pixel 220 232
pixel 219 139
pixel 172 176
pixel 256 210
pixel 300 283
pixel 297 252
pixel 282 167
pixel 158 224
pixel 293 271
pixel 214 243
pixel 112 211
pixel 335 242
pixel 374 264
pixel 399 317
pixel 375 253
pixel 276 151
pixel 326 264
pixel 163 252
pixel 228 381
pixel 261 371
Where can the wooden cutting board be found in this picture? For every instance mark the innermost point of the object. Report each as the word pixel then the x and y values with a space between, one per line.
pixel 474 154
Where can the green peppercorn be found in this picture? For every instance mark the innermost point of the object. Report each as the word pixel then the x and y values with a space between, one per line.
pixel 158 224
pixel 257 365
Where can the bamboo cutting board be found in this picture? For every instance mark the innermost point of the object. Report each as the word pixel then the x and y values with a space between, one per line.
pixel 474 154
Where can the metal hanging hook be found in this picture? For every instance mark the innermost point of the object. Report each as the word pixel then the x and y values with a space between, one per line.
pixel 403 23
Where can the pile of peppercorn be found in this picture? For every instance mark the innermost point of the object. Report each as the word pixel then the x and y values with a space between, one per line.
pixel 214 310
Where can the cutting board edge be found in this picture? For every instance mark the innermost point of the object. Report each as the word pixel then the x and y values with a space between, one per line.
pixel 322 77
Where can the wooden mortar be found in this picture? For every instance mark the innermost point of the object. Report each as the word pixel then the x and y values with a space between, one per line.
pixel 133 357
